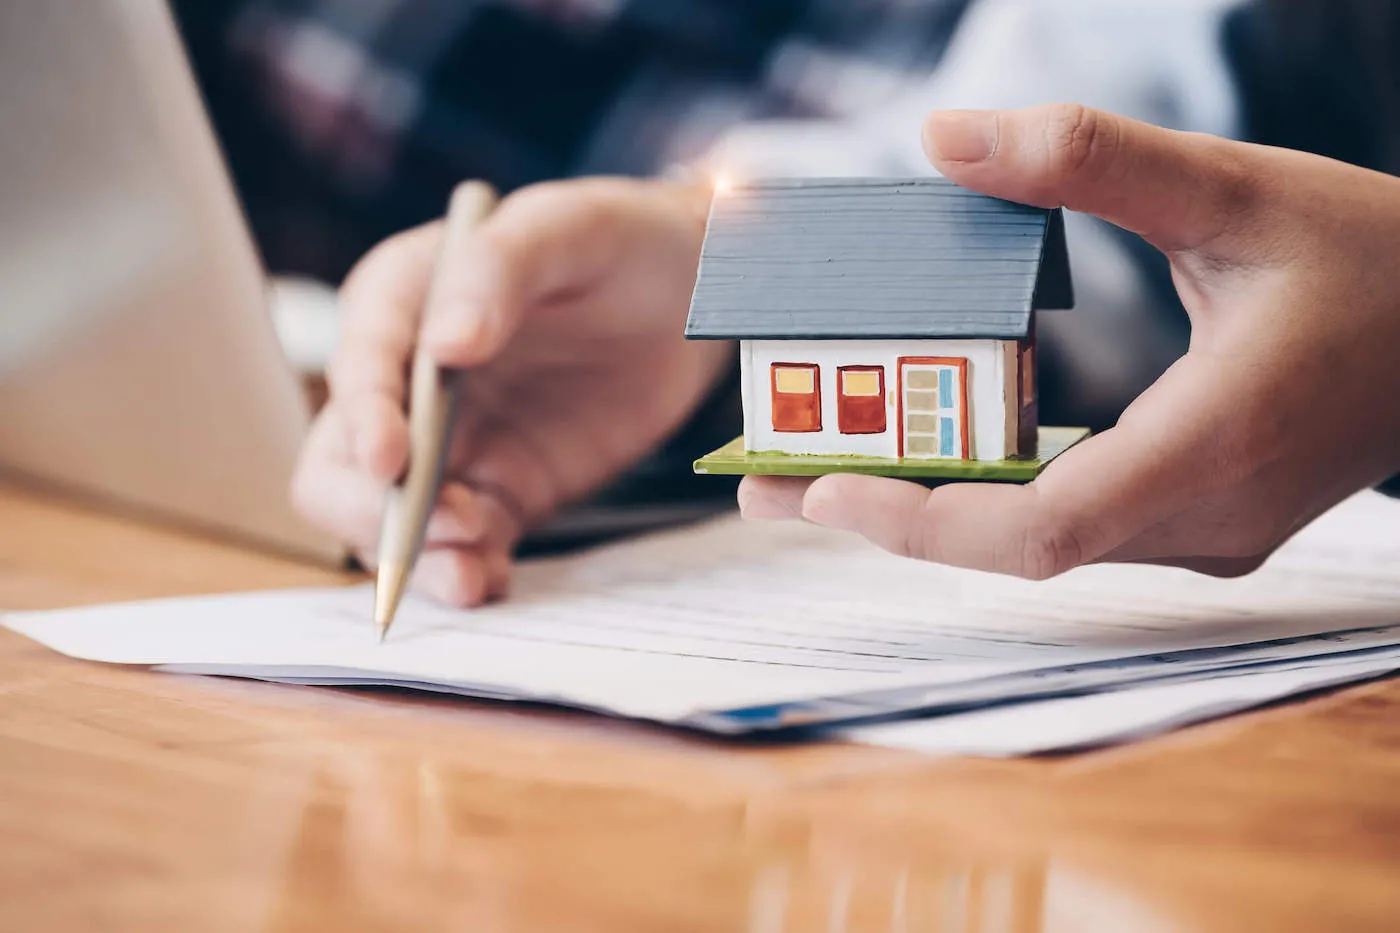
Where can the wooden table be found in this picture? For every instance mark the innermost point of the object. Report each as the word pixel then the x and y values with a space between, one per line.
pixel 132 800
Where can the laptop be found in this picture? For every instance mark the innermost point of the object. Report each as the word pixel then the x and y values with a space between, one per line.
pixel 138 361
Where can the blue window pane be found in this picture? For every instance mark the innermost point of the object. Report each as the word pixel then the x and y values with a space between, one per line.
pixel 945 433
pixel 945 388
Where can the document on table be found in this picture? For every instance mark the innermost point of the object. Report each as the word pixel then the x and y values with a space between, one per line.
pixel 735 627
pixel 1092 719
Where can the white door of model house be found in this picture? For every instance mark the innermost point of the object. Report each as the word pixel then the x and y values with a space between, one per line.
pixel 933 408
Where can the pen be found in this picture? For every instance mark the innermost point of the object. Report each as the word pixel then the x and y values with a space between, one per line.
pixel 431 396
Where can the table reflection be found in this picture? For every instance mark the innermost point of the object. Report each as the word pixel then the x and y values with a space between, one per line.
pixel 397 845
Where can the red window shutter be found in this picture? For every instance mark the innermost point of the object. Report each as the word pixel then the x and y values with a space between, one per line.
pixel 860 399
pixel 797 397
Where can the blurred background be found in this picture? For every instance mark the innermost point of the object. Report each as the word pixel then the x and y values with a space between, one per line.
pixel 345 121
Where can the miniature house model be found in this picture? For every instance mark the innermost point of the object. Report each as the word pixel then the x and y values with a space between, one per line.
pixel 885 326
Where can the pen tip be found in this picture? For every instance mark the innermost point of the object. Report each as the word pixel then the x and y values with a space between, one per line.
pixel 388 591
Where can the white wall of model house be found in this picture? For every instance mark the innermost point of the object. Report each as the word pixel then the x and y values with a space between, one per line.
pixel 991 393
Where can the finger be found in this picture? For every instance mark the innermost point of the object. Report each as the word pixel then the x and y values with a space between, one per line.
pixel 334 494
pixel 1169 450
pixel 964 526
pixel 377 432
pixel 469 515
pixel 459 518
pixel 381 303
pixel 1026 531
pixel 453 576
pixel 772 498
pixel 463 577
pixel 1177 190
pixel 331 493
pixel 511 471
pixel 498 573
pixel 540 242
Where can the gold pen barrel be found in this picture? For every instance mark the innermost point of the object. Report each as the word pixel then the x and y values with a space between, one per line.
pixel 409 504
pixel 431 408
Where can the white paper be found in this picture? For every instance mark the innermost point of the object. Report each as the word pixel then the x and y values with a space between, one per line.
pixel 1075 722
pixel 729 614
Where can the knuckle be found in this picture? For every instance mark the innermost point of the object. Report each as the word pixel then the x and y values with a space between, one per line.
pixel 1079 141
pixel 920 538
pixel 917 542
pixel 1048 550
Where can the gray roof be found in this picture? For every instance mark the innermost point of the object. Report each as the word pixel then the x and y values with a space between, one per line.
pixel 875 257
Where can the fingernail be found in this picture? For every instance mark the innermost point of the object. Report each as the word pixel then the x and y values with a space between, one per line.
pixel 961 135
pixel 766 508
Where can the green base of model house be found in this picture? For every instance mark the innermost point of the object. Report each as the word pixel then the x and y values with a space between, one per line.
pixel 733 460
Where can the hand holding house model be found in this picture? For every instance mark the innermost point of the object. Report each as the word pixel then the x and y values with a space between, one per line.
pixel 886 326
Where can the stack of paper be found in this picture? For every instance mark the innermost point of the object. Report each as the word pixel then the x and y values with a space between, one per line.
pixel 733 627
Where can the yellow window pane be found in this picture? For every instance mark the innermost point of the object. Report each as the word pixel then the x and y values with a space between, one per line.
pixel 921 445
pixel 921 378
pixel 860 382
pixel 795 380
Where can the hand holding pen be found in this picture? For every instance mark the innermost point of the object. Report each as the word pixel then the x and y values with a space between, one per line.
pixel 564 311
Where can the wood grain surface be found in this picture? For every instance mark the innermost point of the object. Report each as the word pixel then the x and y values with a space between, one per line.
pixel 131 800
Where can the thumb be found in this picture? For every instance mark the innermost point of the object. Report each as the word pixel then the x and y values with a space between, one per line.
pixel 1177 190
